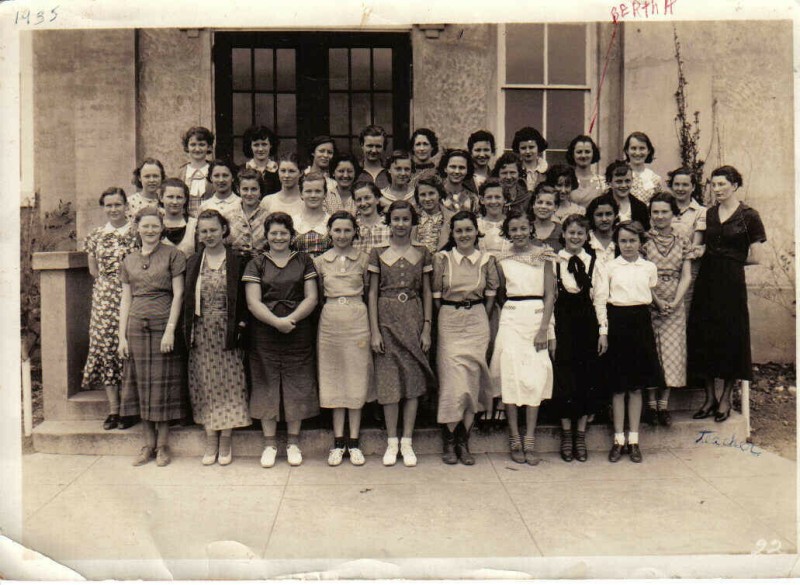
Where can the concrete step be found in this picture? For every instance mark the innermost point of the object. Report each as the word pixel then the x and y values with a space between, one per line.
pixel 89 438
pixel 92 404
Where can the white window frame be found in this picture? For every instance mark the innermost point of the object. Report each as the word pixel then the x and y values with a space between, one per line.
pixel 588 88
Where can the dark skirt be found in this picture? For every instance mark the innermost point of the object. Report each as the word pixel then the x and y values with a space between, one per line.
pixel 283 372
pixel 576 366
pixel 632 361
pixel 718 330
pixel 153 383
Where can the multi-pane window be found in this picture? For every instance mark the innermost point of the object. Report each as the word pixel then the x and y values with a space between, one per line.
pixel 544 72
pixel 360 92
pixel 303 84
pixel 264 92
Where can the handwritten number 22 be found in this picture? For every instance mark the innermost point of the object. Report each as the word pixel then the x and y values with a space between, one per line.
pixel 761 547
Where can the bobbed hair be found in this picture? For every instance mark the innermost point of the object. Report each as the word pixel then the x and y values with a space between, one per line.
pixel 528 133
pixel 430 135
pixel 214 214
pixel 450 153
pixel 200 133
pixel 481 136
pixel 137 172
pixel 398 205
pixel 642 137
pixel 570 156
pixel 259 133
pixel 113 191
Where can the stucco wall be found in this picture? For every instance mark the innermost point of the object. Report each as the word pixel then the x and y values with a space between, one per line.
pixel 174 91
pixel 455 81
pixel 84 111
pixel 740 80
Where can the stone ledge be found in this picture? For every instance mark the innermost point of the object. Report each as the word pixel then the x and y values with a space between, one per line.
pixel 60 260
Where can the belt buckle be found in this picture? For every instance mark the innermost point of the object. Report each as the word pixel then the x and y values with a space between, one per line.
pixel 402 297
pixel 342 300
pixel 466 304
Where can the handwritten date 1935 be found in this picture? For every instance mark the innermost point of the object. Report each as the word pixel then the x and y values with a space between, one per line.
pixel 30 18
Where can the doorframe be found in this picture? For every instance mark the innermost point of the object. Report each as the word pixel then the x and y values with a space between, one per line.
pixel 313 108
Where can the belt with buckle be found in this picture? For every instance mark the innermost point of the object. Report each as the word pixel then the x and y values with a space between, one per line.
pixel 525 298
pixel 344 300
pixel 402 296
pixel 463 304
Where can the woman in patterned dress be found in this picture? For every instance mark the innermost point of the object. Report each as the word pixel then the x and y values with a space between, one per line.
pixel 400 309
pixel 312 225
pixel 639 151
pixel 213 309
pixel 690 220
pixel 345 169
pixel 509 170
pixel 107 247
pixel 455 168
pixel 671 252
pixel 432 229
pixel 259 145
pixel 154 376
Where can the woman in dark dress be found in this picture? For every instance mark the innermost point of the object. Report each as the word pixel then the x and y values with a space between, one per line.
pixel 719 323
pixel 281 291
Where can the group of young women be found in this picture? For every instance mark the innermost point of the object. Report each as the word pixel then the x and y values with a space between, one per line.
pixel 270 291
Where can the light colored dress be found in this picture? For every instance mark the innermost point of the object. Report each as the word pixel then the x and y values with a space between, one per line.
pixel 588 189
pixel 646 184
pixel 687 223
pixel 272 204
pixel 492 240
pixel 246 236
pixel 217 385
pixel 333 203
pixel 464 383
pixel 521 375
pixel 108 246
pixel 564 211
pixel 138 201
pixel 343 343
pixel 668 254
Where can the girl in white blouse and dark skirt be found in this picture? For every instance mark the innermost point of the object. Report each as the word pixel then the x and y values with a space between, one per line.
pixel 632 359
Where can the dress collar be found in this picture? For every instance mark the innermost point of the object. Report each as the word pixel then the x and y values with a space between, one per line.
pixel 472 258
pixel 331 255
pixel 390 255
pixel 120 231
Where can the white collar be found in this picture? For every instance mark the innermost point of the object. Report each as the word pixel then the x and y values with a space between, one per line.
pixel 331 255
pixel 472 258
pixel 598 245
pixel 120 231
pixel 411 255
pixel 583 255
pixel 622 262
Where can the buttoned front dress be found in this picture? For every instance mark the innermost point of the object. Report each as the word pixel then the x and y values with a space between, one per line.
pixel 464 382
pixel 343 342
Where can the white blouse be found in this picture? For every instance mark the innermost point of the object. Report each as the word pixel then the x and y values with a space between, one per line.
pixel 630 283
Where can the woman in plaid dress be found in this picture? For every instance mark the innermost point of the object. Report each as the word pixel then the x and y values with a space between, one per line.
pixel 154 375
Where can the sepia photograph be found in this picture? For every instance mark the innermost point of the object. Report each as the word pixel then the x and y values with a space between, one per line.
pixel 378 291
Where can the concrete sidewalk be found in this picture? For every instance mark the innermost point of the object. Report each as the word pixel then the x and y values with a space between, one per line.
pixel 103 517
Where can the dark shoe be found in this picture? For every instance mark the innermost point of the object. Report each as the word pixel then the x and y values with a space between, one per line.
pixel 664 418
pixel 616 453
pixel 126 422
pixel 566 445
pixel 722 416
pixel 650 416
pixel 579 446
pixel 517 453
pixel 462 445
pixel 705 412
pixel 635 453
pixel 111 422
pixel 448 446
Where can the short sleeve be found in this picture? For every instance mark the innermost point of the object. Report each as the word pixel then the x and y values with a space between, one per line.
pixel 123 271
pixel 177 262
pixel 253 270
pixel 700 220
pixel 374 262
pixel 492 278
pixel 363 264
pixel 427 261
pixel 755 229
pixel 91 244
pixel 653 274
pixel 687 249
pixel 439 268
pixel 309 271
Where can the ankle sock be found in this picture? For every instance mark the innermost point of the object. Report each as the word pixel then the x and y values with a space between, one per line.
pixel 271 441
pixel 652 404
pixel 633 438
pixel 352 443
pixel 619 438
pixel 338 443
pixel 405 441
pixel 292 439
pixel 662 405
